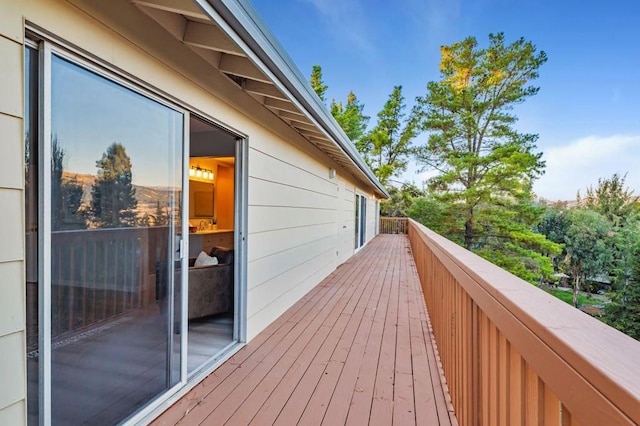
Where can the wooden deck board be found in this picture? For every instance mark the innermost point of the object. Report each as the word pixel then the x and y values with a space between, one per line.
pixel 357 349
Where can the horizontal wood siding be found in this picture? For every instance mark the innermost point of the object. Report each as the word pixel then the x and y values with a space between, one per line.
pixel 301 226
pixel 12 281
pixel 345 225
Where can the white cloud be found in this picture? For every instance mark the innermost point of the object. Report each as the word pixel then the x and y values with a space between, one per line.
pixel 347 21
pixel 579 164
pixel 433 17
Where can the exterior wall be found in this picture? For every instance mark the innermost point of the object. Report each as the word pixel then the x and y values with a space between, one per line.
pixel 345 227
pixel 371 218
pixel 292 238
pixel 301 223
pixel 12 288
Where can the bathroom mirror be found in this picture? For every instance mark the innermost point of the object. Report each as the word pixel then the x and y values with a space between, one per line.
pixel 203 199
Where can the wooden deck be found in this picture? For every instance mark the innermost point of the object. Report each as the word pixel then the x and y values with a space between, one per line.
pixel 357 349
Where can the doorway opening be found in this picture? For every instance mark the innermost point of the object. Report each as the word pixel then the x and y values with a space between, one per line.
pixel 211 276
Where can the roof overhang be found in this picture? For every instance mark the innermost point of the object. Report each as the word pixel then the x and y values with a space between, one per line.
pixel 233 39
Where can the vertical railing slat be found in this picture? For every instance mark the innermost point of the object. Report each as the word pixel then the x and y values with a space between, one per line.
pixel 551 408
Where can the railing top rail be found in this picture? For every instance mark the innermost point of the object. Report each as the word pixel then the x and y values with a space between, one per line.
pixel 555 338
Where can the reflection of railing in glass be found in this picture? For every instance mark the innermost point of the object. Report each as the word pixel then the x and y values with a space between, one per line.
pixel 99 274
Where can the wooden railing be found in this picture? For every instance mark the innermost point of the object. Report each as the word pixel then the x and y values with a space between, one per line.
pixel 513 354
pixel 393 225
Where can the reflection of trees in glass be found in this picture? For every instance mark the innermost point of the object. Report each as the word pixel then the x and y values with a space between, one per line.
pixel 113 197
pixel 66 194
pixel 160 217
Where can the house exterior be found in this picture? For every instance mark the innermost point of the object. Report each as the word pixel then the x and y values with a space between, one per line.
pixel 104 102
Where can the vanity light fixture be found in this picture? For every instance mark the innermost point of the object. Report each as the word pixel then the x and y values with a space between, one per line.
pixel 200 173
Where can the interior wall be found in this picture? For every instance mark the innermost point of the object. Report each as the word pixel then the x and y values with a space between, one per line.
pixel 225 192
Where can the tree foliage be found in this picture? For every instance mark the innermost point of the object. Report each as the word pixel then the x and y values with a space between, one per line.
pixel 480 157
pixel 113 197
pixel 623 312
pixel 400 200
pixel 587 246
pixel 485 166
pixel 387 148
pixel 350 117
pixel 66 193
pixel 508 239
pixel 317 83
pixel 612 199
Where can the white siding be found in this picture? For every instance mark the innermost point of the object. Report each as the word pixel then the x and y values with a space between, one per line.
pixel 346 220
pixel 371 218
pixel 292 219
pixel 12 288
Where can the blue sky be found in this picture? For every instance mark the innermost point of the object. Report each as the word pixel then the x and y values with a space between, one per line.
pixel 587 112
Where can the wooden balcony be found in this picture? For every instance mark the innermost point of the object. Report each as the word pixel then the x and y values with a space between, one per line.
pixel 357 349
pixel 361 349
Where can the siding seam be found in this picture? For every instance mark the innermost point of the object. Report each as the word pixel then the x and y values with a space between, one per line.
pixel 273 253
pixel 299 283
pixel 290 269
pixel 291 164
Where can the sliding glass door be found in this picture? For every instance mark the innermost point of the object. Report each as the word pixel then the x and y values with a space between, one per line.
pixel 360 220
pixel 111 169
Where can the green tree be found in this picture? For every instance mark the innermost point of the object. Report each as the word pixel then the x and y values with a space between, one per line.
pixel 587 246
pixel 350 117
pixel 316 82
pixel 387 148
pixel 400 200
pixel 113 197
pixel 554 224
pixel 66 193
pixel 611 198
pixel 507 238
pixel 623 312
pixel 431 213
pixel 481 159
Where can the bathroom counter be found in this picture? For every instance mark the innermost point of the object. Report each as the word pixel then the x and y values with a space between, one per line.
pixel 205 240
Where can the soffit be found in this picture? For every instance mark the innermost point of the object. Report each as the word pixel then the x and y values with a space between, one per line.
pixel 196 29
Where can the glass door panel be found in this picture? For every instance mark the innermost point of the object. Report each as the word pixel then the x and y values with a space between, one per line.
pixel 116 179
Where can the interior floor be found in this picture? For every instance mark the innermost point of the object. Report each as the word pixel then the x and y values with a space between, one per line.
pixel 207 337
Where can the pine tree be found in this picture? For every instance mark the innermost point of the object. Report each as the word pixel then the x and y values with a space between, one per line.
pixel 485 166
pixel 350 117
pixel 481 159
pixel 316 82
pixel 113 197
pixel 387 148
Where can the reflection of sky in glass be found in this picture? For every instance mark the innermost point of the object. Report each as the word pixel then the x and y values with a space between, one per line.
pixel 89 113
